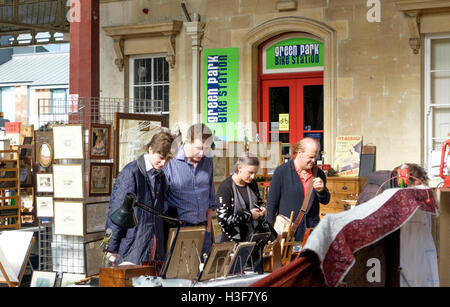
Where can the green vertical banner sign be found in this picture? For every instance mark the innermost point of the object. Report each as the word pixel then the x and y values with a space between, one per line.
pixel 220 91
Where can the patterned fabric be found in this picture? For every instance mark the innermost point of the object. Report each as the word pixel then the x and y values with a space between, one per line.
pixel 190 189
pixel 339 236
pixel 233 217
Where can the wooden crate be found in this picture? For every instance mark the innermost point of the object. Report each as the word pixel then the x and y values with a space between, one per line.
pixel 121 276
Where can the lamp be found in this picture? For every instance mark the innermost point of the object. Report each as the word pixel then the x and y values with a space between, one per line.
pixel 124 217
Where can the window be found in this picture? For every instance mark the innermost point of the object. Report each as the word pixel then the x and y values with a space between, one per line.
pixel 437 99
pixel 149 84
pixel 59 103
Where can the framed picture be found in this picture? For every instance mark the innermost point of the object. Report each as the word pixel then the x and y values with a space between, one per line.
pixel 44 183
pixel 95 217
pixel 240 257
pixel 216 229
pixel 68 142
pixel 99 141
pixel 217 261
pixel 68 218
pixel 69 279
pixel 45 154
pixel 131 133
pixel 44 206
pixel 184 261
pixel 43 279
pixel 100 178
pixel 68 180
pixel 41 137
pixel 93 256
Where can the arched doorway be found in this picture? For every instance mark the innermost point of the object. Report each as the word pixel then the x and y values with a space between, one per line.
pixel 251 68
pixel 291 87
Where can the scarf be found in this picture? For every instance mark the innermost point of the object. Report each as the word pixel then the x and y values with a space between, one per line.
pixel 239 208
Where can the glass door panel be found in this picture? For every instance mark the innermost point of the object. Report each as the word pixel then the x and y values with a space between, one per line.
pixel 278 104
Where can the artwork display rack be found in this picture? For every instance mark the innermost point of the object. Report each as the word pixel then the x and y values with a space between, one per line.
pixel 69 253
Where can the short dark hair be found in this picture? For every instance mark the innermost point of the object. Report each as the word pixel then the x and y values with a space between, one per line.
pixel 246 159
pixel 198 132
pixel 161 143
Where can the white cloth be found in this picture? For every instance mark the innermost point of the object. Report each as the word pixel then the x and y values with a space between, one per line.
pixel 418 255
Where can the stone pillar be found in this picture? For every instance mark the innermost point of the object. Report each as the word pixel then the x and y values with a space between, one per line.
pixel 196 29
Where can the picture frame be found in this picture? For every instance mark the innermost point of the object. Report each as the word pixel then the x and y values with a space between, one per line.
pixel 44 183
pixel 41 137
pixel 216 229
pixel 240 257
pixel 99 141
pixel 43 279
pixel 68 142
pixel 44 206
pixel 45 155
pixel 69 279
pixel 93 256
pixel 68 181
pixel 131 133
pixel 217 261
pixel 68 218
pixel 100 179
pixel 185 259
pixel 95 216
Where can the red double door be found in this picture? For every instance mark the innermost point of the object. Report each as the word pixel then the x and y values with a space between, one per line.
pixel 300 96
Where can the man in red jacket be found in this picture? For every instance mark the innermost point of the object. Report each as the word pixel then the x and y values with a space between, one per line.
pixel 289 184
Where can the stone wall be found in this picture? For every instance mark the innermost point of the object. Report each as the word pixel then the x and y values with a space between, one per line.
pixel 372 83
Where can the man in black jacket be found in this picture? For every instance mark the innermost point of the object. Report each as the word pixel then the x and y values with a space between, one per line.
pixel 289 183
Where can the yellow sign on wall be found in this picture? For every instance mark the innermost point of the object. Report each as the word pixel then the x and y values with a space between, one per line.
pixel 283 119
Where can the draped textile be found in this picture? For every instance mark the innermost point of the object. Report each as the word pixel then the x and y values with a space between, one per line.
pixel 338 236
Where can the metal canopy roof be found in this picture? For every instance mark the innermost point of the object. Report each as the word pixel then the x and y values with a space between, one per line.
pixel 33 22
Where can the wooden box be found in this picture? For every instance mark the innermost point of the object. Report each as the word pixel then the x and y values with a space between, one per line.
pixel 121 276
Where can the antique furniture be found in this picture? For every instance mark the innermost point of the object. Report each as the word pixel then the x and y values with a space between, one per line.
pixel 344 192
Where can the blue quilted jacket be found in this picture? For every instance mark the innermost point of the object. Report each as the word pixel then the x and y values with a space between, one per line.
pixel 135 244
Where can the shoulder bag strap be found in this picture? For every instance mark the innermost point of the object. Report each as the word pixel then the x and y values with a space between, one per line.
pixel 305 202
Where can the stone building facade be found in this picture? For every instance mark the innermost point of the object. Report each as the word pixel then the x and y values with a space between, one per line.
pixel 374 72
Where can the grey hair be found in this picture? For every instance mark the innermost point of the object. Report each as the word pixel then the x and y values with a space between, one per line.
pixel 246 159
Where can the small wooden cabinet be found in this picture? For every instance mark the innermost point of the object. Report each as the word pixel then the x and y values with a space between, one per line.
pixel 342 191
